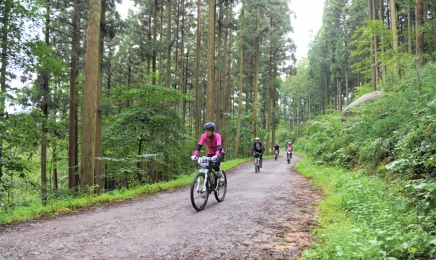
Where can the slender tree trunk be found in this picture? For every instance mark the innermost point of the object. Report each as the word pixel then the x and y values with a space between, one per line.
pixel 154 42
pixel 394 31
pixel 197 72
pixel 241 71
pixel 372 48
pixel 72 125
pixel 269 91
pixel 168 75
pixel 44 109
pixel 210 63
pixel 177 75
pixel 419 31
pixel 409 32
pixel 98 171
pixel 4 63
pixel 160 40
pixel 256 76
pixel 346 87
pixel 219 77
pixel 274 108
pixel 182 62
pixel 54 168
pixel 92 74
pixel 224 95
pixel 228 84
pixel 326 91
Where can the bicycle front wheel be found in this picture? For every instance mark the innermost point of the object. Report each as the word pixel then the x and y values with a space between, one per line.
pixel 220 191
pixel 199 192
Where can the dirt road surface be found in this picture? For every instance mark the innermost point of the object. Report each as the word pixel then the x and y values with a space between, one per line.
pixel 266 215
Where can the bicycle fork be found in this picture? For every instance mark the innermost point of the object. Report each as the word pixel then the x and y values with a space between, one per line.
pixel 204 184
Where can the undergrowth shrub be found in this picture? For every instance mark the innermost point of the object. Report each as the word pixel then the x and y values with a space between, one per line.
pixel 360 218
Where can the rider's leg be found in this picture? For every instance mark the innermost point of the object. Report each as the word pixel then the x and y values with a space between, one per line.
pixel 220 171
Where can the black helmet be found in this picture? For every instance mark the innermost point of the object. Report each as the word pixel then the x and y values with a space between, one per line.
pixel 209 126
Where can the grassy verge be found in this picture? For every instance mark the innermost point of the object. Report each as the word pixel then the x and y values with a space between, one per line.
pixel 360 217
pixel 62 206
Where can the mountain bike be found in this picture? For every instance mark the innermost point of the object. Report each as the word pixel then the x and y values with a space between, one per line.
pixel 205 182
pixel 289 156
pixel 276 154
pixel 257 162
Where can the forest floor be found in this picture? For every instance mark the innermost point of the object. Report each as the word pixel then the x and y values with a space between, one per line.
pixel 265 215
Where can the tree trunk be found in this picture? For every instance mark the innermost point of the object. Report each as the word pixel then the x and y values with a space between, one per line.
pixel 269 91
pixel 210 63
pixel 394 31
pixel 256 76
pixel 219 77
pixel 4 63
pixel 98 171
pixel 54 165
pixel 154 42
pixel 197 72
pixel 92 74
pixel 228 96
pixel 168 74
pixel 241 71
pixel 372 48
pixel 419 31
pixel 182 61
pixel 44 108
pixel 72 125
pixel 409 32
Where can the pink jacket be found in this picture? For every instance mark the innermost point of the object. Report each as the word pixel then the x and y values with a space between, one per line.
pixel 212 144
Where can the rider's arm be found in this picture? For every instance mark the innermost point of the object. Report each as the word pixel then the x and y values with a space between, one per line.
pixel 199 145
pixel 219 145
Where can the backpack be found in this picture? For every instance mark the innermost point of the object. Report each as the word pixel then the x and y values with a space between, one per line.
pixel 261 145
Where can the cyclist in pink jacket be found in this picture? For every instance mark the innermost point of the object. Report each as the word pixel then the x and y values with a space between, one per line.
pixel 214 147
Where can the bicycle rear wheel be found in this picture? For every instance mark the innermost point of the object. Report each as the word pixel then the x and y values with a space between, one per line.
pixel 199 192
pixel 220 192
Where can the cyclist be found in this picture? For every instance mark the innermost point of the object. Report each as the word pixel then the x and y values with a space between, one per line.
pixel 277 148
pixel 258 147
pixel 289 147
pixel 214 147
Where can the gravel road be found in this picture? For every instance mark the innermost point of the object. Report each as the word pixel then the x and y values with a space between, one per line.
pixel 266 215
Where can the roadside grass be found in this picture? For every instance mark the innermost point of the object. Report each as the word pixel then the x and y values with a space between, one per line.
pixel 70 204
pixel 360 218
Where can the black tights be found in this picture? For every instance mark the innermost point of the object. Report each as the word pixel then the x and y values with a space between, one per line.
pixel 216 165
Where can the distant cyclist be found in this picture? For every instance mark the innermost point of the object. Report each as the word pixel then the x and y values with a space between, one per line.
pixel 289 147
pixel 258 147
pixel 277 148
pixel 214 147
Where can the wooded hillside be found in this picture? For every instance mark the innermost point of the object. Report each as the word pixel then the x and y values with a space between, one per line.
pixel 111 103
